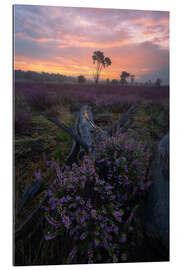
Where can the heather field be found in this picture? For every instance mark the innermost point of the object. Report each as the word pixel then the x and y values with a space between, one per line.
pixel 77 225
pixel 96 95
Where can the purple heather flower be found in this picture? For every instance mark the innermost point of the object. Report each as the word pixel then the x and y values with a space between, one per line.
pixel 119 213
pixel 108 162
pixel 118 218
pixel 108 229
pixel 62 200
pixel 49 236
pixel 68 198
pixel 108 188
pixel 100 218
pixel 122 238
pixel 66 221
pixel 82 219
pixel 38 174
pixel 96 242
pixel 48 163
pixel 93 213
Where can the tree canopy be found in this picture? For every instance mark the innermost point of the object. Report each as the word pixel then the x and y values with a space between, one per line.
pixel 124 76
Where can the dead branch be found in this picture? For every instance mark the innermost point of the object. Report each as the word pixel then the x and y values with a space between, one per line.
pixel 122 122
pixel 31 220
pixel 29 194
pixel 70 132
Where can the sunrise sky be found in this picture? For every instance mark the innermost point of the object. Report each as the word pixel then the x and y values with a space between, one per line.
pixel 63 39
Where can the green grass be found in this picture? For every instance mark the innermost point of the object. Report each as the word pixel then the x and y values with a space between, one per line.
pixel 64 146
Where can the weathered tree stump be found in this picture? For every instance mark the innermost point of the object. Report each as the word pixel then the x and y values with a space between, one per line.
pixel 154 213
pixel 87 134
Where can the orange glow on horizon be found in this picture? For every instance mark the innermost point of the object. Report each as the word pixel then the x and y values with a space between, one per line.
pixel 70 69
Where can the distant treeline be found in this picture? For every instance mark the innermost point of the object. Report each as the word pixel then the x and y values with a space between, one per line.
pixel 43 76
pixel 33 76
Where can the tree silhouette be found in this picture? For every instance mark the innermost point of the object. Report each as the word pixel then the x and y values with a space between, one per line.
pixel 124 76
pixel 158 83
pixel 102 62
pixel 81 79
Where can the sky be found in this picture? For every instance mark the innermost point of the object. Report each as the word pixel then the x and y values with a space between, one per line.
pixel 63 39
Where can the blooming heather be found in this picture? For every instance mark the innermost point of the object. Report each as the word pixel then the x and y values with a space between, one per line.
pixel 95 202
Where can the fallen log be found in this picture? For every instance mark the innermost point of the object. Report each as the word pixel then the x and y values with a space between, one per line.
pixel 87 132
pixel 154 210
pixel 156 221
